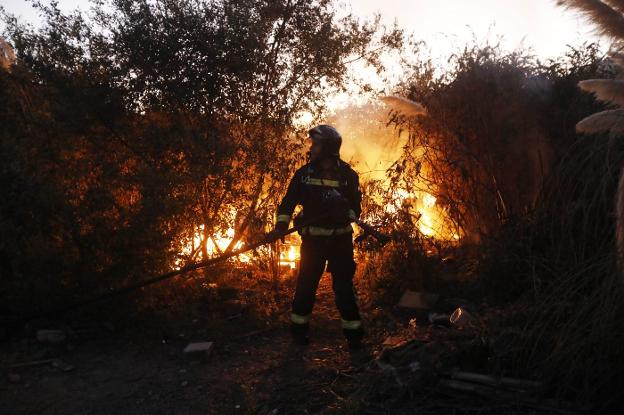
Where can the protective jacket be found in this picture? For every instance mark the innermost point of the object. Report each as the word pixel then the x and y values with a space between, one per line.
pixel 329 206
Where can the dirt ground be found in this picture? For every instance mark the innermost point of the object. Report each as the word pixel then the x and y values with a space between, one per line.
pixel 144 370
pixel 254 368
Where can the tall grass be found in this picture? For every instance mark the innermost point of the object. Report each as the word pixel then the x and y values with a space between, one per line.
pixel 574 331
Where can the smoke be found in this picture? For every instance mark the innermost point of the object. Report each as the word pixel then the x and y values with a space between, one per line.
pixel 369 144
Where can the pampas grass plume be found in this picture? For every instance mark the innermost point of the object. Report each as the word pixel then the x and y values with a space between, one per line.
pixel 606 121
pixel 610 21
pixel 607 90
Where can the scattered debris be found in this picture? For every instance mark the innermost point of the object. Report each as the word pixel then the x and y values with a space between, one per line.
pixel 201 348
pixel 387 368
pixel 393 341
pixel 424 366
pixel 419 300
pixel 51 336
pixel 461 318
pixel 512 383
pixel 500 393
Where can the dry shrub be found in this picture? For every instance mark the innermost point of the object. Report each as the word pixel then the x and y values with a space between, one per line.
pixel 499 151
pixel 497 122
pixel 482 150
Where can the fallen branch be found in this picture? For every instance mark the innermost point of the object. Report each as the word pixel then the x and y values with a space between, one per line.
pixel 520 384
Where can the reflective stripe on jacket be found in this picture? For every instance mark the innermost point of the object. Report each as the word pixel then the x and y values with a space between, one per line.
pixel 306 188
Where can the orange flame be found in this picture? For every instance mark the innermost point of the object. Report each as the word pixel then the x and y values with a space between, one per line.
pixel 433 219
pixel 289 256
pixel 215 245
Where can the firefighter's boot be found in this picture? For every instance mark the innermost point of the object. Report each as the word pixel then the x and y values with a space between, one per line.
pixel 299 333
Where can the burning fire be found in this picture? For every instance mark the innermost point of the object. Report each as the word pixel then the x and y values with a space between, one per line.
pixel 215 245
pixel 426 222
pixel 374 145
pixel 218 243
pixel 289 256
pixel 433 220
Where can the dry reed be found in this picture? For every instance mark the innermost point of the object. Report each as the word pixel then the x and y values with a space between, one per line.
pixel 609 20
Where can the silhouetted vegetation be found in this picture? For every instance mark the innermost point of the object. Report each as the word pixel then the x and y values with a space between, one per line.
pixel 132 139
pixel 500 153
pixel 127 134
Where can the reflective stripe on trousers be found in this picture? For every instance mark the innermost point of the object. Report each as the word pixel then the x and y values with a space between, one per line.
pixel 351 324
pixel 299 319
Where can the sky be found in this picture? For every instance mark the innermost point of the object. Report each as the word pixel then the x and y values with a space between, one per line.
pixel 445 25
pixel 538 24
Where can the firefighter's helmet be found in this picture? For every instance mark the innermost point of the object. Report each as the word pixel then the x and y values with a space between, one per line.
pixel 329 137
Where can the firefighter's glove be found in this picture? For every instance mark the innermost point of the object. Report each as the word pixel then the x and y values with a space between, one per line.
pixel 277 233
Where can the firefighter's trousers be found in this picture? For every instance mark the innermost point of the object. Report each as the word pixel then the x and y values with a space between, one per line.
pixel 337 252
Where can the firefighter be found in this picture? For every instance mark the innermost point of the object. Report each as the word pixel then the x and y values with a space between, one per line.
pixel 328 190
